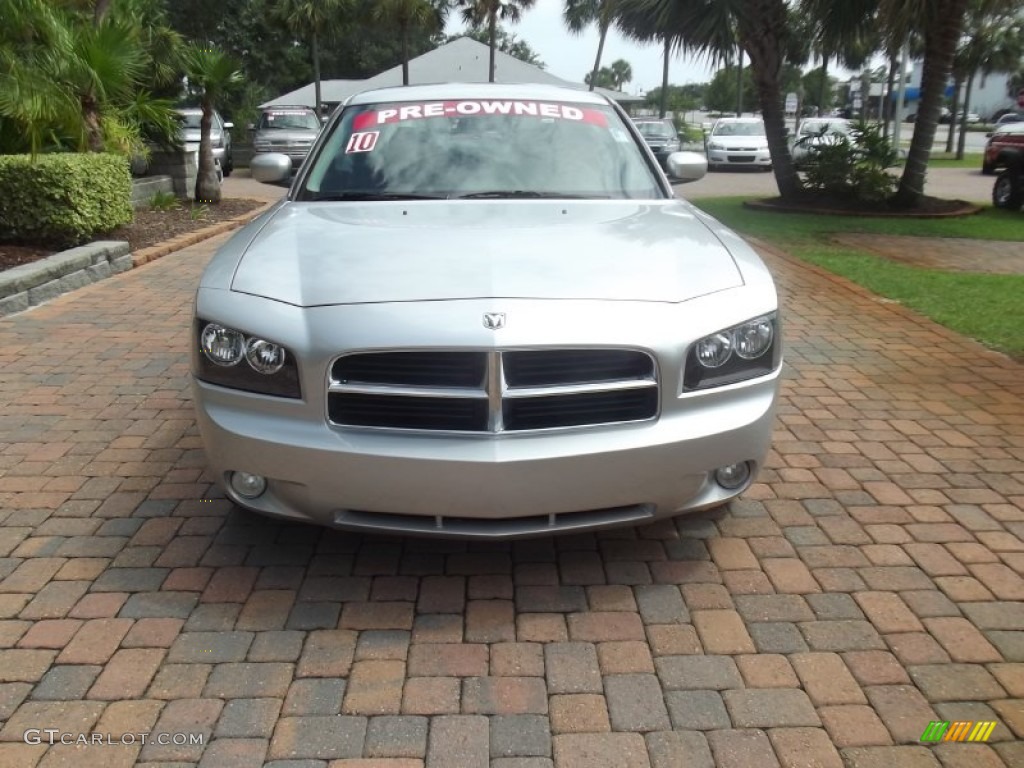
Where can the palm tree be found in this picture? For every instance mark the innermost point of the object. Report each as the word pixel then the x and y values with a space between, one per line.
pixel 941 24
pixel 411 14
pixel 312 20
pixel 478 12
pixel 579 14
pixel 846 31
pixel 622 73
pixel 767 30
pixel 993 40
pixel 660 21
pixel 69 82
pixel 212 73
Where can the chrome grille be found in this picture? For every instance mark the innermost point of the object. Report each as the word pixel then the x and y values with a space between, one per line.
pixel 492 391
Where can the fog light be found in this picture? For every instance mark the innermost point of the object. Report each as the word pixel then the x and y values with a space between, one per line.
pixel 733 476
pixel 247 485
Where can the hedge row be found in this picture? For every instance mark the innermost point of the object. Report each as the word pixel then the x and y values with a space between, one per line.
pixel 63 200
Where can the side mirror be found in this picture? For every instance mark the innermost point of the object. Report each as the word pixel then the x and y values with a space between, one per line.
pixel 270 167
pixel 989 135
pixel 229 126
pixel 685 167
pixel 251 127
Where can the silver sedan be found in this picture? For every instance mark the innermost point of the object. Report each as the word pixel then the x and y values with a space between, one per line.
pixel 481 312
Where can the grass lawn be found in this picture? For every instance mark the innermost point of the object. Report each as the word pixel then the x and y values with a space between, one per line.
pixel 989 308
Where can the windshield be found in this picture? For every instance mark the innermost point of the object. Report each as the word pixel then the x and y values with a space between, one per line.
pixel 823 126
pixel 190 119
pixel 481 148
pixel 289 119
pixel 656 130
pixel 739 129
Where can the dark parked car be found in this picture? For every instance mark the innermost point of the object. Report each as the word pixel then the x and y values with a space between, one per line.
pixel 660 135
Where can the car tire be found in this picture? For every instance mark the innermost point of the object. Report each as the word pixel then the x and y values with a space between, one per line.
pixel 987 170
pixel 229 165
pixel 1008 191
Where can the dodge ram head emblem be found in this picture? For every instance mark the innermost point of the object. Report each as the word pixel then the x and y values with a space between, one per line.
pixel 494 320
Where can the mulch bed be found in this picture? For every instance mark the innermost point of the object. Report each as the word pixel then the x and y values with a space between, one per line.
pixel 928 207
pixel 148 228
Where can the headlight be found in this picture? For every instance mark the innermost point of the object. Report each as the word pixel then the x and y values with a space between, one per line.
pixel 222 346
pixel 229 358
pixel 742 352
pixel 716 145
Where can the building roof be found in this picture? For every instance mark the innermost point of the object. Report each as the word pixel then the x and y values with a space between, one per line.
pixel 463 60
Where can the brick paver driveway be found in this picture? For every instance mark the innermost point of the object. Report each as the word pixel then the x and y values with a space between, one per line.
pixel 869 584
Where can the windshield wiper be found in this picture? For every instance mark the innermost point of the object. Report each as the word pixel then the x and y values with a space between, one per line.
pixel 525 193
pixel 373 196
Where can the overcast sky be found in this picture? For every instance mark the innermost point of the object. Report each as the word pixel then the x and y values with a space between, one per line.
pixel 572 57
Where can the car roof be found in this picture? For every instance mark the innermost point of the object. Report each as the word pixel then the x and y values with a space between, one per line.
pixel 477 91
pixel 279 107
pixel 740 120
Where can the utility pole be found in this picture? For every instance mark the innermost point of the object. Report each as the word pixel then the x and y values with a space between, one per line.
pixel 901 90
pixel 739 84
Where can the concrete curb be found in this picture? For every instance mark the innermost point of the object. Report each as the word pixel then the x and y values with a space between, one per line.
pixel 28 285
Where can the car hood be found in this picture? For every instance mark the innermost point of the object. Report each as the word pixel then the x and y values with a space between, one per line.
pixel 285 135
pixel 316 254
pixel 193 135
pixel 738 142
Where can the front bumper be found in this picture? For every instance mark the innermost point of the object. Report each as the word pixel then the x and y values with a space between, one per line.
pixel 296 154
pixel 760 158
pixel 478 485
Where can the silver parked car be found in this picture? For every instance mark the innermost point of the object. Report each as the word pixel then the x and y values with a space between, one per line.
pixel 290 131
pixel 502 328
pixel 818 132
pixel 220 136
pixel 739 142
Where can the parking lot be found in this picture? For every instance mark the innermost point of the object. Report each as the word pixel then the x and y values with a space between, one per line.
pixel 869 584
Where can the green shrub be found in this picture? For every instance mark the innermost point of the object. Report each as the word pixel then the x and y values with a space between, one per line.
pixel 164 201
pixel 62 200
pixel 852 167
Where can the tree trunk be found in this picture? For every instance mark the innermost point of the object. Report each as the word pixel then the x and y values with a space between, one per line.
pixel 664 76
pixel 823 88
pixel 99 11
pixel 739 86
pixel 760 34
pixel 316 72
pixel 941 35
pixel 492 36
pixel 600 50
pixel 958 83
pixel 405 52
pixel 887 111
pixel 93 124
pixel 207 184
pixel 963 120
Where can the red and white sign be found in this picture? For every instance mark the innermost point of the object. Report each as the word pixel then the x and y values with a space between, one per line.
pixel 362 142
pixel 473 108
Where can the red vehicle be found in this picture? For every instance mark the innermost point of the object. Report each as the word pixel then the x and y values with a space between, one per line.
pixel 1004 144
